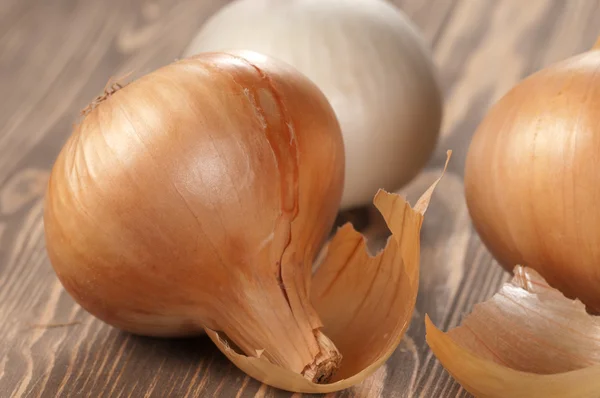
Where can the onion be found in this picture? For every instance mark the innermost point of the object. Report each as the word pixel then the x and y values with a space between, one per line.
pixel 197 198
pixel 531 188
pixel 531 177
pixel 182 195
pixel 369 61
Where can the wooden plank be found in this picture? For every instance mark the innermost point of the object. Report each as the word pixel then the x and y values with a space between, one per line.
pixel 56 56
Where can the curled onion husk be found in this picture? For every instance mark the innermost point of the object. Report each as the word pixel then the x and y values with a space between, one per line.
pixel 365 302
pixel 528 340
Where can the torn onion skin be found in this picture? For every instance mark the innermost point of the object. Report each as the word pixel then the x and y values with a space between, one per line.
pixel 528 340
pixel 198 196
pixel 365 302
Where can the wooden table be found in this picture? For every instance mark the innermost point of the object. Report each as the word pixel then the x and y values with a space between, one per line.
pixel 55 56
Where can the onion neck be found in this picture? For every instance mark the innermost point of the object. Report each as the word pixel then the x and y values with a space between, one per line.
pixel 268 313
pixel 261 322
pixel 326 363
pixel 294 340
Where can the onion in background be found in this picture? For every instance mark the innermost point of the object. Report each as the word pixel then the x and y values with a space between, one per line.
pixel 371 64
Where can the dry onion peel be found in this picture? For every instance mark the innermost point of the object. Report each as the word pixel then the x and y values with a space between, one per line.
pixel 528 340
pixel 364 302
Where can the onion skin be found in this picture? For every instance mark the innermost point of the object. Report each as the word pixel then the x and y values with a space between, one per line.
pixel 198 196
pixel 532 183
pixel 528 340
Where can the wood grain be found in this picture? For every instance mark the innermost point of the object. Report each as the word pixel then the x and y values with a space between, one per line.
pixel 57 56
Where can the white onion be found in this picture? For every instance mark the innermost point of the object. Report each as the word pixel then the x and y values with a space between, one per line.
pixel 372 65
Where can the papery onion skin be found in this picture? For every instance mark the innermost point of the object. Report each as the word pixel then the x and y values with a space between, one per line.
pixel 532 182
pixel 366 302
pixel 528 340
pixel 369 60
pixel 198 196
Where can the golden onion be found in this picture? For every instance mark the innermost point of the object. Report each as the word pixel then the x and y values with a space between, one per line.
pixel 532 182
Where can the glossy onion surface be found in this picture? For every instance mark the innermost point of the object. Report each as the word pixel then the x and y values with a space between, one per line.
pixel 532 177
pixel 198 196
